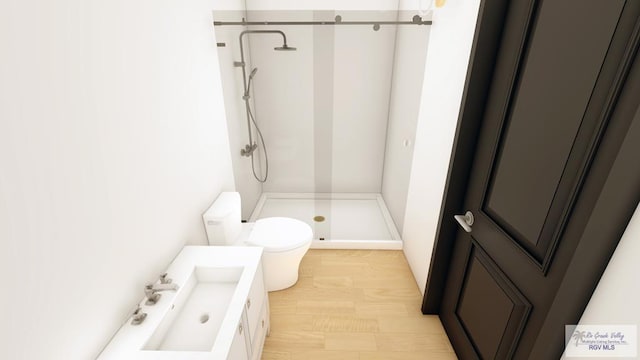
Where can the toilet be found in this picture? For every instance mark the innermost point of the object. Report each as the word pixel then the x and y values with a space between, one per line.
pixel 284 240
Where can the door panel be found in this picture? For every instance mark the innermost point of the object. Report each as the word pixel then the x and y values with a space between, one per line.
pixel 570 58
pixel 491 308
pixel 543 120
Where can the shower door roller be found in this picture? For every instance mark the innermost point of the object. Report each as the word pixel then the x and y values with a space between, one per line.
pixel 465 220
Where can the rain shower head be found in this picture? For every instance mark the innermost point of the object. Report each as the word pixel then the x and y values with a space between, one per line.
pixel 285 47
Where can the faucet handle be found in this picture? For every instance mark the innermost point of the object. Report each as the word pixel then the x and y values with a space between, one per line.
pixel 138 316
pixel 164 279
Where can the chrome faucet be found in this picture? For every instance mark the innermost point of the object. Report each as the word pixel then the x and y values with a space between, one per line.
pixel 151 291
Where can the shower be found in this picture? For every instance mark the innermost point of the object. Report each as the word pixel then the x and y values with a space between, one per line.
pixel 339 117
pixel 251 147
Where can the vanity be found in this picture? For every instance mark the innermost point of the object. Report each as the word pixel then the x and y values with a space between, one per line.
pixel 220 310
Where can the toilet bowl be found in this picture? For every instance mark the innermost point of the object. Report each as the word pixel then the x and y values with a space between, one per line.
pixel 284 240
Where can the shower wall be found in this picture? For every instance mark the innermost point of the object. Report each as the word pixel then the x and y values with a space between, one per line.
pixel 358 5
pixel 284 97
pixel 406 90
pixel 363 64
pixel 323 109
pixel 233 89
pixel 335 114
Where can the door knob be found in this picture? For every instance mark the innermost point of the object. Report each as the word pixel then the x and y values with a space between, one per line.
pixel 465 220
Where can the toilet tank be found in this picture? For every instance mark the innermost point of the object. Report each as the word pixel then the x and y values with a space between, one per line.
pixel 222 220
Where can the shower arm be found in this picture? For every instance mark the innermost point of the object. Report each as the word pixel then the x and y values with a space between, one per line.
pixel 242 64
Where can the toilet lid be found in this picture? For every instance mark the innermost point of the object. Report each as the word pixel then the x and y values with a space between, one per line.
pixel 280 234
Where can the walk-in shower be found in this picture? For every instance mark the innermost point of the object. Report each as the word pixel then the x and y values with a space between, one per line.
pixel 251 147
pixel 338 117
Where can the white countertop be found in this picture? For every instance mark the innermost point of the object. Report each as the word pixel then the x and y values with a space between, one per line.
pixel 131 339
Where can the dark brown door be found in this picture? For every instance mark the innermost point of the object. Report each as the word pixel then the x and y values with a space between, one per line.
pixel 562 69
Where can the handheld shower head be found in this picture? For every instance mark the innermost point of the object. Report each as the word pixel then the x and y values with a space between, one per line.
pixel 251 75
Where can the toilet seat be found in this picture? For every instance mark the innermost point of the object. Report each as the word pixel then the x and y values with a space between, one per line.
pixel 277 234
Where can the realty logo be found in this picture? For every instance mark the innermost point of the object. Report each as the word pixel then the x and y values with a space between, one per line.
pixel 601 340
pixel 579 336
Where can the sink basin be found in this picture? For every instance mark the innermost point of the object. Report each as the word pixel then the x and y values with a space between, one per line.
pixel 196 314
pixel 199 321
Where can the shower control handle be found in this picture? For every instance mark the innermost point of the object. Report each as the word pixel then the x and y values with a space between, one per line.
pixel 248 149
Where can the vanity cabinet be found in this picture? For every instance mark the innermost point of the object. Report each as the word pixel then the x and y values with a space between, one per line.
pixel 254 324
pixel 220 310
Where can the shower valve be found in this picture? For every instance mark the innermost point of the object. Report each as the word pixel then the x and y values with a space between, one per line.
pixel 248 149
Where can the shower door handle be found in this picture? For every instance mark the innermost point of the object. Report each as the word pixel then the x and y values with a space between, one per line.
pixel 465 221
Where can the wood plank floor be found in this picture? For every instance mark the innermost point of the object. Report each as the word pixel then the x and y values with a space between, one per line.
pixel 353 305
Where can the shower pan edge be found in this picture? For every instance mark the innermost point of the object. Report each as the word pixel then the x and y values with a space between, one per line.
pixel 361 221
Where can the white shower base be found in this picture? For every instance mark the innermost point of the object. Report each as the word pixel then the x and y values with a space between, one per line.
pixel 352 221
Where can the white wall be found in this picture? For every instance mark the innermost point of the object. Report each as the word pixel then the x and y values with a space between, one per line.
pixel 112 143
pixel 447 60
pixel 406 89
